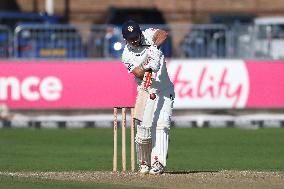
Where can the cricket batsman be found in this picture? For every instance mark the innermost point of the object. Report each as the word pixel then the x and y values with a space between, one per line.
pixel 144 59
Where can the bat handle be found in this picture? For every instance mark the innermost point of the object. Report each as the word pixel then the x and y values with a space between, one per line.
pixel 147 79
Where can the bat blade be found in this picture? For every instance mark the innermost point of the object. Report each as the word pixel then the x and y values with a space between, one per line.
pixel 140 104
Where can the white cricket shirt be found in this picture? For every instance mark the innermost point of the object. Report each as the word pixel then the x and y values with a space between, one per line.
pixel 134 56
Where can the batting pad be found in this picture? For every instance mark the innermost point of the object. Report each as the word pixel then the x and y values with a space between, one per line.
pixel 143 145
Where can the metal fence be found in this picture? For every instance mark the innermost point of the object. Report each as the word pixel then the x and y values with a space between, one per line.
pixel 105 41
pixel 5 42
pixel 48 41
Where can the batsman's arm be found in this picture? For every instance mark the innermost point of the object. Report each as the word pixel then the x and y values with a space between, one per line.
pixel 159 37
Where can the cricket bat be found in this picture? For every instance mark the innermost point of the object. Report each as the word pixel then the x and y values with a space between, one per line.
pixel 143 96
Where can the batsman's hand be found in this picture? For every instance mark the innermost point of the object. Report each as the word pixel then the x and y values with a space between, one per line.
pixel 153 59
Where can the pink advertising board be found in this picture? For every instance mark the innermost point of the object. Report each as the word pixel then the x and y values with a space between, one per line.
pixel 227 83
pixel 105 84
pixel 65 84
pixel 267 84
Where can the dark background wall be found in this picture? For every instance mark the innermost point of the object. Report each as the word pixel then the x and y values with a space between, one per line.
pixel 174 11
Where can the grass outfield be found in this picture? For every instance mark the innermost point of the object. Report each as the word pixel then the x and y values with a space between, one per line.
pixel 190 150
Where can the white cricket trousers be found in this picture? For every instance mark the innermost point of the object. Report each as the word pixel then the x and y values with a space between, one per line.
pixel 157 116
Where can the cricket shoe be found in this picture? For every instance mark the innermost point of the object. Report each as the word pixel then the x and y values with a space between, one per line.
pixel 157 168
pixel 144 169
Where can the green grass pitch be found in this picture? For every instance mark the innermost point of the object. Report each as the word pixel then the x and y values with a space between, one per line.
pixel 191 149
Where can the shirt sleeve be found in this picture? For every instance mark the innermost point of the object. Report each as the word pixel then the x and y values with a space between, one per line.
pixel 149 35
pixel 128 60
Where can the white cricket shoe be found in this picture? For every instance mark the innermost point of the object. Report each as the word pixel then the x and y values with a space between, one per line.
pixel 144 169
pixel 157 168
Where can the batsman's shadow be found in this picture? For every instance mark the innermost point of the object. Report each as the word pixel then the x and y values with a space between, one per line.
pixel 190 172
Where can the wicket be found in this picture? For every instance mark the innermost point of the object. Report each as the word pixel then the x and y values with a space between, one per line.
pixel 123 138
